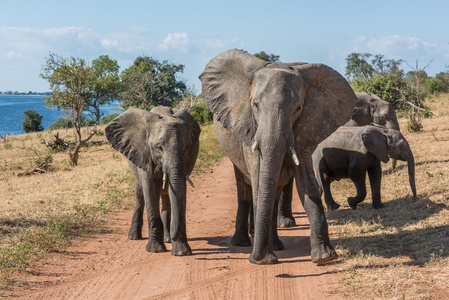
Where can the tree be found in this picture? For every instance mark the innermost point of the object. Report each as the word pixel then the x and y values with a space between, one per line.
pixel 415 93
pixel 32 121
pixel 267 57
pixel 149 82
pixel 379 75
pixel 69 82
pixel 104 84
pixel 357 66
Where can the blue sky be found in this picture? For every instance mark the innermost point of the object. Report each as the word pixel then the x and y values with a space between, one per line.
pixel 192 32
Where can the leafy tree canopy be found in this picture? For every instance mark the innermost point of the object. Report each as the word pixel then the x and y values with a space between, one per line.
pixel 104 84
pixel 267 57
pixel 149 82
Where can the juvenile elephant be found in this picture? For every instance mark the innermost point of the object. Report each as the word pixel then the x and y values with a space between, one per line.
pixel 268 119
pixel 161 148
pixel 350 152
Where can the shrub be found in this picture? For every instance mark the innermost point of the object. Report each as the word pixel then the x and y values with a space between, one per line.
pixel 108 118
pixel 32 121
pixel 201 113
pixel 88 122
pixel 61 123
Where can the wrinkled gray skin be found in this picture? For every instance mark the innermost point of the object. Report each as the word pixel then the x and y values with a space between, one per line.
pixel 368 109
pixel 274 109
pixel 155 143
pixel 350 152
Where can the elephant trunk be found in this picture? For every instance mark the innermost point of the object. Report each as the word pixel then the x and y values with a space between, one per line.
pixel 411 174
pixel 272 152
pixel 177 191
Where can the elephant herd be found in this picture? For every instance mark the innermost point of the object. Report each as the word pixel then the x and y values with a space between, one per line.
pixel 280 124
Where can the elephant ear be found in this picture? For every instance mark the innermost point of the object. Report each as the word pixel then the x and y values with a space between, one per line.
pixel 128 134
pixel 328 104
pixel 226 85
pixel 375 142
pixel 193 131
pixel 193 128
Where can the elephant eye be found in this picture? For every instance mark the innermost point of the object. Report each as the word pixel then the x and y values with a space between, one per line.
pixel 159 147
pixel 299 108
pixel 256 105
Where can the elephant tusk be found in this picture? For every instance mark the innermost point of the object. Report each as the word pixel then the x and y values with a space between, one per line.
pixel 295 157
pixel 189 181
pixel 164 178
pixel 255 146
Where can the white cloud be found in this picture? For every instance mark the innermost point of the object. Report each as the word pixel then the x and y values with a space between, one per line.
pixel 176 41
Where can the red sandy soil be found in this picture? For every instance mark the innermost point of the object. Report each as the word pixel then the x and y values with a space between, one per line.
pixel 109 266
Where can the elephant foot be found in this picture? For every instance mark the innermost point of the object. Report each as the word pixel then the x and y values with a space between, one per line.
pixel 269 259
pixel 277 244
pixel 323 253
pixel 180 249
pixel 167 238
pixel 242 240
pixel 155 247
pixel 286 221
pixel 333 206
pixel 352 201
pixel 378 205
pixel 134 234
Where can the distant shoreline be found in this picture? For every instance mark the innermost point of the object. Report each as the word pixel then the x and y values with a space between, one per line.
pixel 7 95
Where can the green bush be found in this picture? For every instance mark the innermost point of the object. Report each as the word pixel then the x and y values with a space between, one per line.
pixel 201 113
pixel 88 122
pixel 61 123
pixel 32 121
pixel 386 86
pixel 108 118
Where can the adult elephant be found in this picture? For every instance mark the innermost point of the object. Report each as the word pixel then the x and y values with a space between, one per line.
pixel 351 152
pixel 372 109
pixel 269 118
pixel 161 148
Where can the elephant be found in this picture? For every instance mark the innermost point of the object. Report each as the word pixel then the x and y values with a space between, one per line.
pixel 350 152
pixel 161 148
pixel 372 109
pixel 369 109
pixel 268 118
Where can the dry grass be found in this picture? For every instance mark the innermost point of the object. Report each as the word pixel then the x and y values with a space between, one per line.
pixel 401 251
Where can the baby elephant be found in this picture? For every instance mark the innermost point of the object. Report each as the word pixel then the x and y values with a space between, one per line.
pixel 161 148
pixel 352 151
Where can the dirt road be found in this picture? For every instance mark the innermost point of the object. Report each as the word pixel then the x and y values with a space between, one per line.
pixel 109 266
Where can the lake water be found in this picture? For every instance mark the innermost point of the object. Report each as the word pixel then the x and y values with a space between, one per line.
pixel 12 110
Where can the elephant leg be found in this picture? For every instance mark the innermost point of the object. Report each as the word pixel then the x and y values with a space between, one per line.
pixel 135 232
pixel 326 181
pixel 285 216
pixel 277 243
pixel 166 217
pixel 359 180
pixel 375 178
pixel 251 219
pixel 307 186
pixel 244 196
pixel 151 194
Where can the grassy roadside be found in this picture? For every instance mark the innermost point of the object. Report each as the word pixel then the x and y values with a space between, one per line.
pixel 401 251
pixel 41 214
